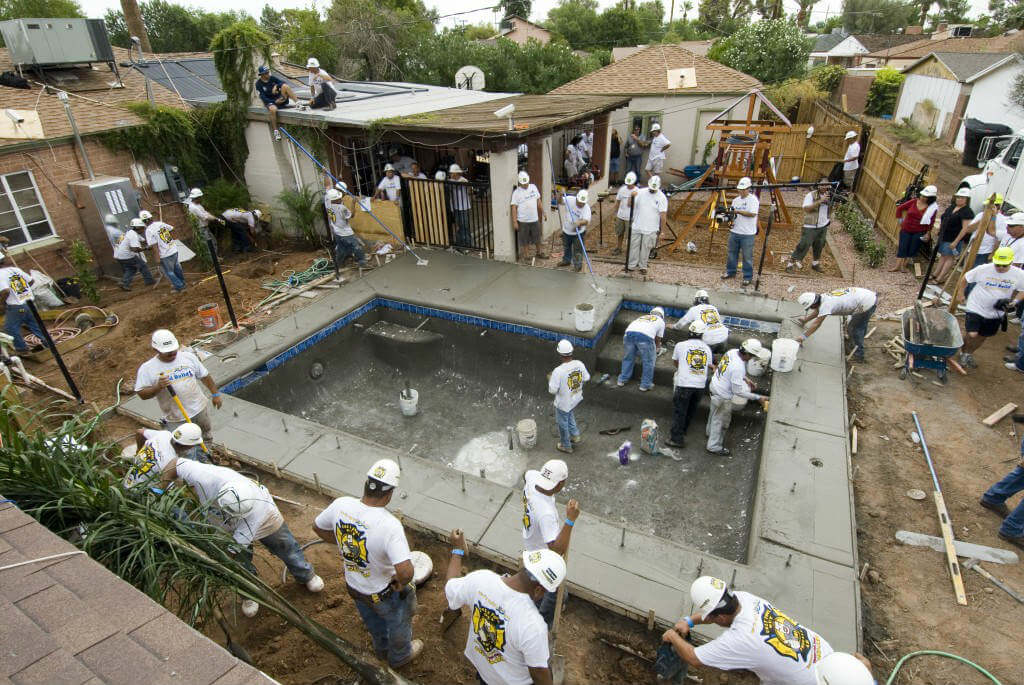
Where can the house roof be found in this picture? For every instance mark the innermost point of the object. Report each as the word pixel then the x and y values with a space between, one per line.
pixel 922 48
pixel 503 31
pixel 966 65
pixel 827 41
pixel 644 73
pixel 94 101
pixel 884 41
pixel 697 47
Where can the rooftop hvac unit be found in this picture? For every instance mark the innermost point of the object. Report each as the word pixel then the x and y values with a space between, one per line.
pixel 962 31
pixel 53 42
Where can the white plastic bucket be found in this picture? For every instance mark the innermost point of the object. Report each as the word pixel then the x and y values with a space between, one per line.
pixel 738 401
pixel 527 432
pixel 784 354
pixel 408 405
pixel 584 317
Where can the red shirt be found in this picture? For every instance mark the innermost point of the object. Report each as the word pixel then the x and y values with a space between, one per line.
pixel 914 219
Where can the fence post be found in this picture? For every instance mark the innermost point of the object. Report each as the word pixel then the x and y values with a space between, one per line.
pixel 883 197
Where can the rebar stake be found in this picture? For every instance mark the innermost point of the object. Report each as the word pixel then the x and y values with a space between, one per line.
pixel 316 479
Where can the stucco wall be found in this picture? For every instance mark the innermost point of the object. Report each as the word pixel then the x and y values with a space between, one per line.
pixel 989 102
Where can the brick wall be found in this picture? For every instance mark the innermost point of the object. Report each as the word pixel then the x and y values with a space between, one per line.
pixel 856 90
pixel 53 168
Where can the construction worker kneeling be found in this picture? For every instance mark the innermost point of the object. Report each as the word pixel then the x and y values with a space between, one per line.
pixel 730 388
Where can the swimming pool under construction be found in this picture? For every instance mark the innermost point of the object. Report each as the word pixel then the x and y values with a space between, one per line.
pixel 315 398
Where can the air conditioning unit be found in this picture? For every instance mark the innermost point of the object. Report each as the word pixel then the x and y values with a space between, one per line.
pixel 961 31
pixel 52 42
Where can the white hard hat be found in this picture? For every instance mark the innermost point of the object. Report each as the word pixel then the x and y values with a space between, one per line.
pixel 145 215
pixel 691 247
pixel 257 213
pixel 552 473
pixel 840 668
pixel 700 297
pixel 389 167
pixel 697 327
pixel 806 300
pixel 439 176
pixel 137 223
pixel 706 594
pixel 454 169
pixel 743 183
pixel 658 311
pixel 341 185
pixel 630 178
pixel 188 434
pixel 655 126
pixel 929 191
pixel 164 341
pixel 582 196
pixel 385 471
pixel 333 195
pixel 564 347
pixel 752 346
pixel 195 192
pixel 546 566
pixel 312 63
pixel 654 182
pixel 1015 219
pixel 851 134
pixel 236 498
pixel 524 177
pixel 962 192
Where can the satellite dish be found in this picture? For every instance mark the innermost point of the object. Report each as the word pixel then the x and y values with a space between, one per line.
pixel 469 78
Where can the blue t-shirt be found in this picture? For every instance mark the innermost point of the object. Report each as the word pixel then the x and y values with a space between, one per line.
pixel 266 89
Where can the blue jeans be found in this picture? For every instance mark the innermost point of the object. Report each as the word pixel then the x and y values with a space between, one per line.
pixel 1020 351
pixel 172 269
pixel 130 267
pixel 240 237
pixel 737 243
pixel 546 607
pixel 1013 525
pixel 572 251
pixel 635 164
pixel 348 245
pixel 638 343
pixel 282 544
pixel 18 315
pixel 567 429
pixel 858 328
pixel 390 625
pixel 462 227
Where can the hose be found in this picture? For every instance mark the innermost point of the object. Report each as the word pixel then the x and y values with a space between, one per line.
pixel 295 279
pixel 934 652
pixel 284 571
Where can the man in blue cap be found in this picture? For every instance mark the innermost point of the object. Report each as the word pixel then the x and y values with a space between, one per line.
pixel 275 94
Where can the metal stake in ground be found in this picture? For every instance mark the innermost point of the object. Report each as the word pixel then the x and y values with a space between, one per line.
pixel 629 232
pixel 220 277
pixel 764 246
pixel 30 303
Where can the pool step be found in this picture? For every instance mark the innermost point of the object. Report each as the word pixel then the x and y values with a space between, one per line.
pixel 609 360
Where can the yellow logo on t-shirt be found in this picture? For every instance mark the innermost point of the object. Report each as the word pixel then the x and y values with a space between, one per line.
pixel 18 284
pixel 489 630
pixel 839 292
pixel 784 635
pixel 709 316
pixel 697 360
pixel 526 513
pixel 165 236
pixel 145 460
pixel 723 364
pixel 351 540
pixel 574 380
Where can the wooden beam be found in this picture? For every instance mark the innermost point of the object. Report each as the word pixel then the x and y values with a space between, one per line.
pixel 998 415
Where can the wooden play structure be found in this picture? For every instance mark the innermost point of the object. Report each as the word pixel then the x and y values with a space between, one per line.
pixel 744 149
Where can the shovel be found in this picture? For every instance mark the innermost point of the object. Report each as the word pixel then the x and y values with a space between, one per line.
pixel 233 647
pixel 558 660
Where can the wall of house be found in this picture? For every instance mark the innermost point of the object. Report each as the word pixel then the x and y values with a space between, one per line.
pixel 523 31
pixel 504 167
pixel 273 167
pixel 942 93
pixel 54 167
pixel 988 102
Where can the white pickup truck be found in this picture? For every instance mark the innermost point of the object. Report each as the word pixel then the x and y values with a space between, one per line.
pixel 999 174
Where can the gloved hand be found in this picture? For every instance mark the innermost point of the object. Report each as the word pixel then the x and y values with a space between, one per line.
pixel 1004 304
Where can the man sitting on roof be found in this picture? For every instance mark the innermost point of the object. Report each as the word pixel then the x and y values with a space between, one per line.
pixel 321 86
pixel 275 94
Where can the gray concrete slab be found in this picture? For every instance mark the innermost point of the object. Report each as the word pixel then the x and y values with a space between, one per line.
pixel 806 397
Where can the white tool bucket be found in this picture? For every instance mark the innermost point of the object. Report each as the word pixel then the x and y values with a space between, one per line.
pixel 584 317
pixel 527 432
pixel 408 405
pixel 784 354
pixel 738 401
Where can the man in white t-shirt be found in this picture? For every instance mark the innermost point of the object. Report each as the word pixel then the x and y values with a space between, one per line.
pixel 203 217
pixel 643 337
pixel 15 291
pixel 851 160
pixel 160 238
pixel 181 371
pixel 346 243
pixel 566 384
pixel 128 253
pixel 624 197
pixel 415 171
pixel 246 510
pixel 817 207
pixel 758 637
pixel 321 86
pixel 460 200
pixel 728 382
pixel 575 214
pixel 155 453
pixel 527 209
pixel 992 237
pixel 857 303
pixel 507 641
pixel 1014 238
pixel 390 187
pixel 378 566
pixel 715 332
pixel 743 232
pixel 243 224
pixel 658 145
pixel 650 209
pixel 998 287
pixel 541 526
pixel 692 359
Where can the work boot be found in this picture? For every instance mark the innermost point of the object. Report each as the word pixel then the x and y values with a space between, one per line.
pixel 417 647
pixel 746 282
pixel 817 267
pixel 1017 541
pixel 789 267
pixel 1011 348
pixel 249 608
pixel 999 508
pixel 723 452
pixel 576 439
pixel 561 448
pixel 967 359
pixel 726 277
pixel 672 443
pixel 1010 358
pixel 1012 366
pixel 315 584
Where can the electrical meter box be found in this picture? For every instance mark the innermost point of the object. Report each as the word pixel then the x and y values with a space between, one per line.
pixel 94 199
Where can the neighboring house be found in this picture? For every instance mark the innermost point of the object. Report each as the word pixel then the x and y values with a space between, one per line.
pixel 836 48
pixel 697 47
pixel 875 42
pixel 519 30
pixel 682 112
pixel 902 56
pixel 939 88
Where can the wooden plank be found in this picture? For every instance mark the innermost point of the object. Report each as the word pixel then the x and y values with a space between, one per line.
pixel 998 415
pixel 952 564
pixel 853 440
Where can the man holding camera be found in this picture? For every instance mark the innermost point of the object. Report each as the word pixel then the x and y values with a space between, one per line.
pixel 817 217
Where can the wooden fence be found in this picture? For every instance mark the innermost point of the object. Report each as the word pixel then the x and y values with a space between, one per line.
pixel 886 169
pixel 809 158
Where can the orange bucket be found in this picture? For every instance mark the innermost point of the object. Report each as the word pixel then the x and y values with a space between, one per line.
pixel 209 316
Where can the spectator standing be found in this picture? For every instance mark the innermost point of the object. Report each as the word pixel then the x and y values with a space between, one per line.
pixel 953 225
pixel 851 160
pixel 527 209
pixel 390 187
pixel 461 203
pixel 916 217
pixel 624 196
pixel 743 232
pixel 635 151
pixel 817 217
pixel 614 158
pixel 659 144
pixel 649 217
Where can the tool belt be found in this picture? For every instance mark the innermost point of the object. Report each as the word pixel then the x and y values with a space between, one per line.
pixel 377 597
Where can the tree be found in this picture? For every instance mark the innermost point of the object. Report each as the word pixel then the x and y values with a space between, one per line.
pixel 877 16
pixel 515 8
pixel 271 21
pixel 803 15
pixel 883 92
pixel 1007 13
pixel 952 12
pixel 22 9
pixel 173 28
pixel 478 31
pixel 770 51
pixel 924 6
pixel 374 38
pixel 575 21
pixel 304 33
pixel 826 26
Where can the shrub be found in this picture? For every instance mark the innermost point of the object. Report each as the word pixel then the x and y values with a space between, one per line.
pixel 223 194
pixel 788 94
pixel 883 92
pixel 863 236
pixel 874 255
pixel 770 51
pixel 828 76
pixel 82 260
pixel 303 208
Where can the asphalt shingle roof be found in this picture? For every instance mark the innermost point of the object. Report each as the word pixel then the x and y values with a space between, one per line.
pixel 964 65
pixel 921 48
pixel 827 41
pixel 644 73
pixel 883 41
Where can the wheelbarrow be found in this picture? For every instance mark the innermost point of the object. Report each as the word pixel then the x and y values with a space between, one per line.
pixel 930 337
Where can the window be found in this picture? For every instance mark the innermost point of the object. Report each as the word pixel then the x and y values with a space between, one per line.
pixel 23 217
pixel 644 121
pixel 1013 154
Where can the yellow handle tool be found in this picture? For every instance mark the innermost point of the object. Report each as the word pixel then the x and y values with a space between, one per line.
pixel 181 408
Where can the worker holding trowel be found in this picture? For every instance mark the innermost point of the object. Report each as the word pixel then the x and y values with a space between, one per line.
pixel 507 642
pixel 730 387
pixel 173 376
pixel 857 303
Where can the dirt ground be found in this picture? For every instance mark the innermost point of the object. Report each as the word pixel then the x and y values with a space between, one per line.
pixel 943 159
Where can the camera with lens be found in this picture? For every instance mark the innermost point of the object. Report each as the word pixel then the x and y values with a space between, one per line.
pixel 724 214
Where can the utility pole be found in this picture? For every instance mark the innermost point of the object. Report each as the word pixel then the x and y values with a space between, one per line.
pixel 133 20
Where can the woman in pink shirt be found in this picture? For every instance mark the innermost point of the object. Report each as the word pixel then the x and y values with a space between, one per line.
pixel 916 217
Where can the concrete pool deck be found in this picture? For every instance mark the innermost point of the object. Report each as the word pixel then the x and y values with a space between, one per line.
pixel 802 552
